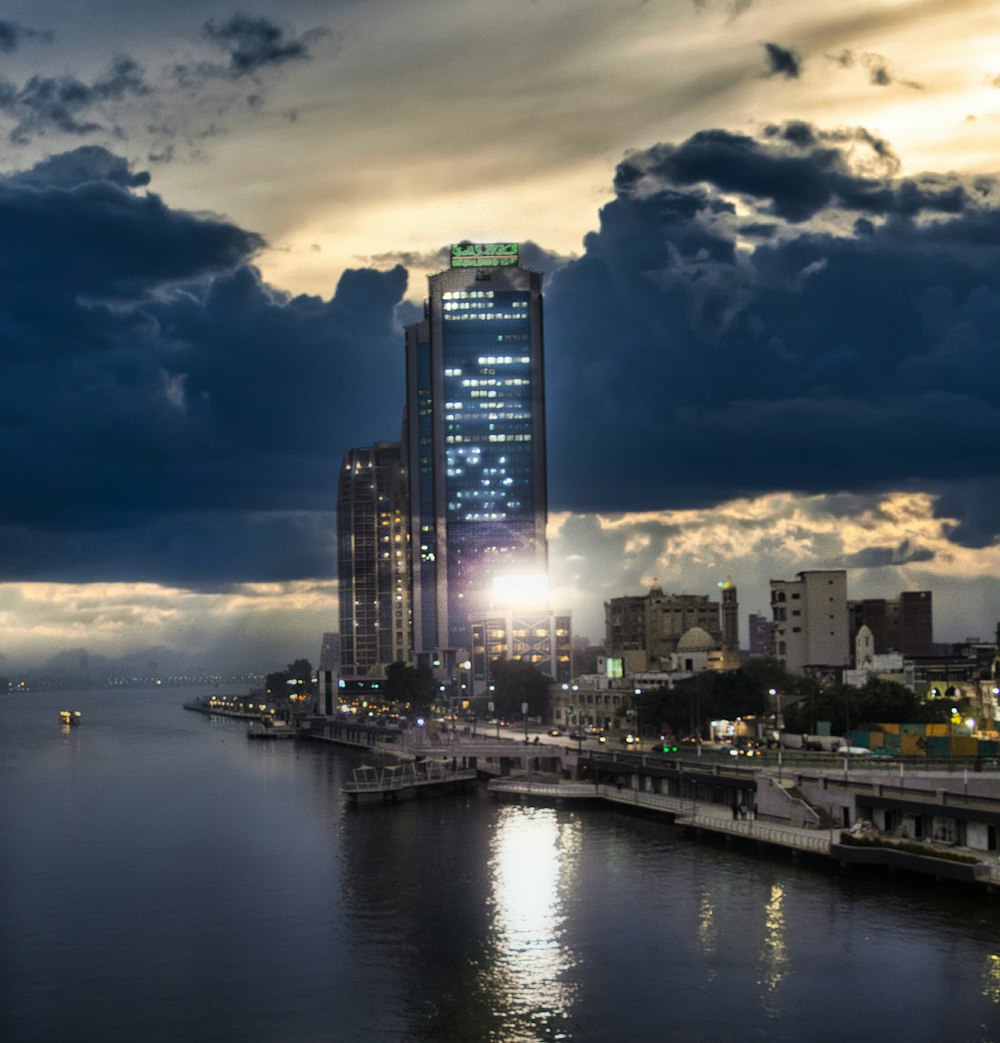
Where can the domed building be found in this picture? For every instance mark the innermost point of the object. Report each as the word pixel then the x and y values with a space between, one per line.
pixel 646 631
pixel 697 650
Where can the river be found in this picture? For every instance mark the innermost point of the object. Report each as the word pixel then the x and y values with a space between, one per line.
pixel 162 878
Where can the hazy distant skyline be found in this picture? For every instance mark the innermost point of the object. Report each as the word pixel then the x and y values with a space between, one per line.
pixel 773 285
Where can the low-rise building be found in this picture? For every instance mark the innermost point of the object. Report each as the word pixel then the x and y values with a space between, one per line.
pixel 654 631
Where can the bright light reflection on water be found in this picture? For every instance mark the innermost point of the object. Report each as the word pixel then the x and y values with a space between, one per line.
pixel 991 978
pixel 774 955
pixel 706 928
pixel 533 857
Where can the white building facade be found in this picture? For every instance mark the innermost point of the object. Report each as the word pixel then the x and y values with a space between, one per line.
pixel 811 630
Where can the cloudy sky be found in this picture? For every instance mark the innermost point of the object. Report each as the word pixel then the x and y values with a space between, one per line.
pixel 771 234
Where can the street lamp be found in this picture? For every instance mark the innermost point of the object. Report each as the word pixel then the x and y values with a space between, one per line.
pixel 776 695
pixel 493 707
pixel 847 748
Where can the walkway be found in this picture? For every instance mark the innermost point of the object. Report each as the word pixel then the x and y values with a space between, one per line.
pixel 716 819
pixel 685 812
pixel 396 779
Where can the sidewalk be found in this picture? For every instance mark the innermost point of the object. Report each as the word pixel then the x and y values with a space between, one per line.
pixel 685 812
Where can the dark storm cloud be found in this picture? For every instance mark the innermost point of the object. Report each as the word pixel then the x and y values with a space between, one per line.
pixel 792 172
pixel 254 44
pixel 781 61
pixel 66 105
pixel 12 35
pixel 856 347
pixel 183 103
pixel 883 557
pixel 880 72
pixel 164 414
pixel 89 163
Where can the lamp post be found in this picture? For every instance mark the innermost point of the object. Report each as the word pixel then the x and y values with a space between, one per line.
pixel 697 721
pixel 776 695
pixel 951 732
pixel 638 718
pixel 847 748
pixel 493 708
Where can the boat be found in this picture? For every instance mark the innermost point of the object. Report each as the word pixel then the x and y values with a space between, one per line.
pixel 69 717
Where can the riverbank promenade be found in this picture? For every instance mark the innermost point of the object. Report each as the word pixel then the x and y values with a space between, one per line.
pixel 714 818
pixel 915 822
pixel 683 811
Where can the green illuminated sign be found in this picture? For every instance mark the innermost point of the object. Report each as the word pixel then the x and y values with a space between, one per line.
pixel 484 255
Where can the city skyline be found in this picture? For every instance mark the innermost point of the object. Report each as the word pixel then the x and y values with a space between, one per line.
pixel 771 278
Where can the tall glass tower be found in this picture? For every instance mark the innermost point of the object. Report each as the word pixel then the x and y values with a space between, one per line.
pixel 372 560
pixel 475 439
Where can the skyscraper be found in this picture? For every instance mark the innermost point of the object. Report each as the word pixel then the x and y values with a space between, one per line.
pixel 372 559
pixel 475 439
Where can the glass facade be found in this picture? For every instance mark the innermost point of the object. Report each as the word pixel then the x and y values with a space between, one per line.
pixel 474 371
pixel 488 450
pixel 373 555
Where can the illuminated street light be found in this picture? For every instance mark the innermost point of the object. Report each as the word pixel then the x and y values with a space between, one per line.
pixel 776 695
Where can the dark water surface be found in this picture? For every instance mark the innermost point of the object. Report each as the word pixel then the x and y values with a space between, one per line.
pixel 163 878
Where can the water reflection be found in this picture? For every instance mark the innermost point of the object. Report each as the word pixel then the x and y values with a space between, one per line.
pixel 991 978
pixel 774 955
pixel 707 930
pixel 533 861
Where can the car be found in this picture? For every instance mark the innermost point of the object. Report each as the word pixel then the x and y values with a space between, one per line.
pixel 745 750
pixel 555 731
pixel 577 736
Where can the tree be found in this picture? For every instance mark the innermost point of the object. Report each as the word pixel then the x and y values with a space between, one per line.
pixel 516 682
pixel 876 702
pixel 276 685
pixel 300 672
pixel 410 684
pixel 712 695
